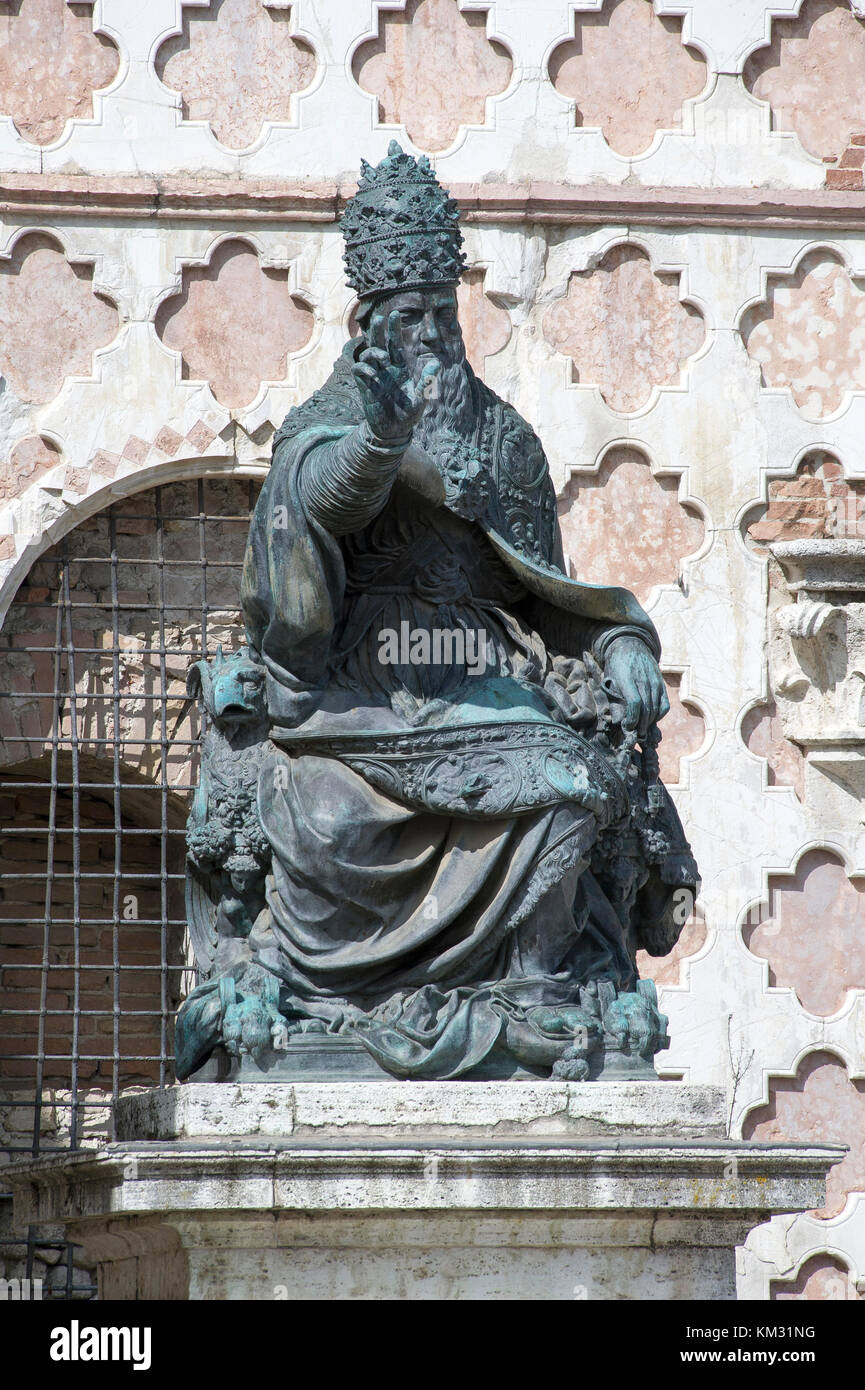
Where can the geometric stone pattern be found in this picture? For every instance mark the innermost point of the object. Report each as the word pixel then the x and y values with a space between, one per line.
pixel 811 75
pixel 627 521
pixel 713 434
pixel 432 69
pixel 813 932
pixel 236 67
pixel 51 322
pixel 819 1100
pixel 51 62
pixel 624 328
pixel 809 333
pixel 229 300
pixel 139 123
pixel 627 72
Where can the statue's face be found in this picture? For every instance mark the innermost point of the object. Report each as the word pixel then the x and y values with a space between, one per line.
pixel 429 326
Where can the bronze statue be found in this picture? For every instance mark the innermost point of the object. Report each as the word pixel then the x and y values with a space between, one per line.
pixel 457 769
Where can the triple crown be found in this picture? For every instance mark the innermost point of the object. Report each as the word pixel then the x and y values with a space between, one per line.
pixel 401 228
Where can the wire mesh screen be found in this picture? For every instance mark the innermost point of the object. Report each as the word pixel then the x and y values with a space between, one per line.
pixel 99 756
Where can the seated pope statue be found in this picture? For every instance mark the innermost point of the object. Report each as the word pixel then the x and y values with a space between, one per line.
pixel 459 840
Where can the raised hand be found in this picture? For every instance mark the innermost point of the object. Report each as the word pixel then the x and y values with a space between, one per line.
pixel 392 401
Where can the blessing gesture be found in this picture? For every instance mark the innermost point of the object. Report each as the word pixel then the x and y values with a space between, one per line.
pixel 393 401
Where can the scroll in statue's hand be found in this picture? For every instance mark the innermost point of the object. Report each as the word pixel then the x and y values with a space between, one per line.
pixel 634 671
pixel 392 401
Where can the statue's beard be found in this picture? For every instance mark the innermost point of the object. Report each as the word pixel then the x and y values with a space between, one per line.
pixel 449 403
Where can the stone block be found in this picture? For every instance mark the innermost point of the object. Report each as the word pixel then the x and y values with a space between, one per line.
pixel 412 1190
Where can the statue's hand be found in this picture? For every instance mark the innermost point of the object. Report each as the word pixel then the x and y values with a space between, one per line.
pixel 392 402
pixel 632 668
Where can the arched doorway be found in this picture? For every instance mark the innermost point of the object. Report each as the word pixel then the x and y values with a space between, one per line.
pixel 98 756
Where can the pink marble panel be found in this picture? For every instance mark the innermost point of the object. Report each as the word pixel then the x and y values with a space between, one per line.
pixel 628 72
pixel 764 735
pixel 811 74
pixel 486 327
pixel 26 463
pixel 432 68
pixel 625 525
pixel 683 730
pixel 809 333
pixel 51 321
pixel 813 932
pixel 624 327
pixel 51 62
pixel 234 300
pixel 236 66
pixel 820 1105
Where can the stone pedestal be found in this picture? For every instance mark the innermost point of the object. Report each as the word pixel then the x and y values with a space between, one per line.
pixel 420 1190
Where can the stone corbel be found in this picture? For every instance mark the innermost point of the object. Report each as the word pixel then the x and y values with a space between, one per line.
pixel 817 655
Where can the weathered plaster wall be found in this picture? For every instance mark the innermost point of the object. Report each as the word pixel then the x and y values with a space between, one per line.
pixel 666 233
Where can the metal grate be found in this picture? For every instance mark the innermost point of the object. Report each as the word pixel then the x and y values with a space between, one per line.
pixel 99 756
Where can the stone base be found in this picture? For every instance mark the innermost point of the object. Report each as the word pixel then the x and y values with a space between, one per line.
pixel 420 1190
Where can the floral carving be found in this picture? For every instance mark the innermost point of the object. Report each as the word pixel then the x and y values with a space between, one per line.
pixel 808 334
pixel 51 62
pixel 432 68
pixel 624 327
pixel 51 319
pixel 811 74
pixel 628 72
pixel 234 299
pixel 236 66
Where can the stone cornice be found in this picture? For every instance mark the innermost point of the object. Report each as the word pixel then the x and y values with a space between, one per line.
pixel 36 196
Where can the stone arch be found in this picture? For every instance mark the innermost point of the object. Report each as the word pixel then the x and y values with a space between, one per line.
pixel 822 1276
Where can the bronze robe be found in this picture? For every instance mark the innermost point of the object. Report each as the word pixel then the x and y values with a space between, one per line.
pixel 455 852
